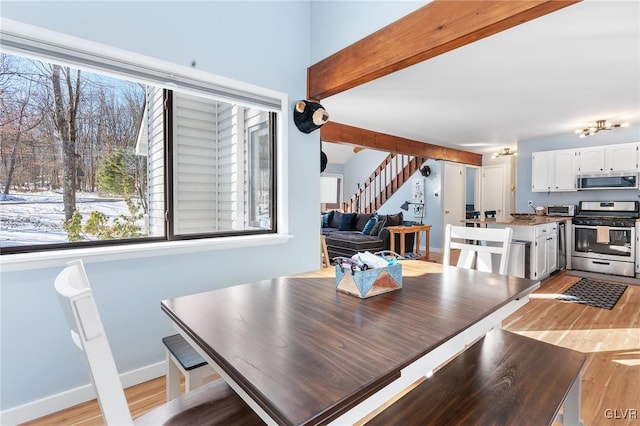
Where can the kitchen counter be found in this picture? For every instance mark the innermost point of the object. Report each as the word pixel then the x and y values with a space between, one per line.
pixel 537 220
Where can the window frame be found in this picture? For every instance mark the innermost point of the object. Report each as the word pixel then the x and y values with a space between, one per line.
pixel 37 43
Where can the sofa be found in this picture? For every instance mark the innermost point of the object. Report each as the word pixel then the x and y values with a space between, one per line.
pixel 349 233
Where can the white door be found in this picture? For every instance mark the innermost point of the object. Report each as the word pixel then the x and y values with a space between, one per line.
pixel 494 190
pixel 453 194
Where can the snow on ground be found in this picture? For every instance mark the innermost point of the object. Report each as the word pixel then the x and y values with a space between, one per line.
pixel 37 217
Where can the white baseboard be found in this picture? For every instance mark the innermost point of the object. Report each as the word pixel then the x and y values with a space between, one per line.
pixel 51 404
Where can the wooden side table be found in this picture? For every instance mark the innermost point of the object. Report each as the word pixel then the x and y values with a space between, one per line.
pixel 413 229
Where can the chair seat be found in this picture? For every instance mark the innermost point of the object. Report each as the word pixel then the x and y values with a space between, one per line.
pixel 183 352
pixel 183 359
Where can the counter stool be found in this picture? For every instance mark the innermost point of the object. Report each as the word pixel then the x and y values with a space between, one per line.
pixel 182 358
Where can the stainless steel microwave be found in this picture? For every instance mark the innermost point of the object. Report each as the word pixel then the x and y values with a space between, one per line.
pixel 607 181
pixel 561 210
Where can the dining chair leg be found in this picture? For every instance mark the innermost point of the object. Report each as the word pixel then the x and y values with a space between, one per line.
pixel 173 378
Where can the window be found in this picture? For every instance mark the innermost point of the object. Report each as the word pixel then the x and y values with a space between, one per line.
pixel 97 150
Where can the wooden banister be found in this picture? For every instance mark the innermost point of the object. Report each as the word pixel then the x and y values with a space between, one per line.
pixel 390 175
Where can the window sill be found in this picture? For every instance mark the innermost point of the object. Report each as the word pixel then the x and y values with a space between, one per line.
pixel 39 260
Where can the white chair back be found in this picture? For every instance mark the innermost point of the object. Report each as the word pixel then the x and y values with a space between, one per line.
pixel 76 298
pixel 476 245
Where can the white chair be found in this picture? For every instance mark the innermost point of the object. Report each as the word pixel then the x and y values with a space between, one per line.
pixel 211 404
pixel 476 246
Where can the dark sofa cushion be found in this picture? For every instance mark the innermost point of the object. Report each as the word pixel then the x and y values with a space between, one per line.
pixel 347 222
pixel 350 243
pixel 368 227
pixel 361 221
pixel 326 219
pixel 380 224
pixel 394 219
pixel 336 219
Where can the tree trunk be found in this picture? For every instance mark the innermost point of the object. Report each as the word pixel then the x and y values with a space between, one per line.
pixel 22 117
pixel 64 118
pixel 12 165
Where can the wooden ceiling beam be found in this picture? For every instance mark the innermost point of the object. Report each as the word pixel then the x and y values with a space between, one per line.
pixel 434 29
pixel 355 136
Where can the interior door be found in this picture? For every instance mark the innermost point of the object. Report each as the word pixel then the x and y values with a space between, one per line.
pixel 453 194
pixel 493 190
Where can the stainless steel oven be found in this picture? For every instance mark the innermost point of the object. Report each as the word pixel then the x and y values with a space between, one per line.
pixel 604 238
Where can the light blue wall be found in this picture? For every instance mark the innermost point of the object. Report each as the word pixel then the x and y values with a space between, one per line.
pixel 337 24
pixel 360 166
pixel 264 43
pixel 570 140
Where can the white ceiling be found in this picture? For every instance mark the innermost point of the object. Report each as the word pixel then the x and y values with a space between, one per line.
pixel 549 76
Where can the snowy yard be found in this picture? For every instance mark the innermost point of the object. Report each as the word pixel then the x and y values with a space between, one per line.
pixel 36 218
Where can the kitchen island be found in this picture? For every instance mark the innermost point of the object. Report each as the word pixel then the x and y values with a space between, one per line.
pixel 542 234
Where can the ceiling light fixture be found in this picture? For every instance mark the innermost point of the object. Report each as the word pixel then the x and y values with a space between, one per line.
pixel 505 152
pixel 600 125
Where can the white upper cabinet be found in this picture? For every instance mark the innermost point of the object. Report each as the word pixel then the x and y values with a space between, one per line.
pixel 591 159
pixel 609 158
pixel 542 164
pixel 554 170
pixel 621 158
pixel 566 169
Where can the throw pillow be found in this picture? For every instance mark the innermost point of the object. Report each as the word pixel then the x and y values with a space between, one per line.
pixel 347 221
pixel 381 223
pixel 335 220
pixel 395 219
pixel 369 225
pixel 326 219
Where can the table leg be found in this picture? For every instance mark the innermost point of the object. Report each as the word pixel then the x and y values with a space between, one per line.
pixel 426 243
pixel 393 241
pixel 571 411
pixel 402 234
pixel 417 234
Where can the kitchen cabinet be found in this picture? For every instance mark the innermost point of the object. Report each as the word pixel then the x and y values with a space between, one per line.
pixel 591 159
pixel 544 246
pixel 546 250
pixel 621 157
pixel 553 171
pixel 609 158
pixel 541 166
pixel 637 249
pixel 566 169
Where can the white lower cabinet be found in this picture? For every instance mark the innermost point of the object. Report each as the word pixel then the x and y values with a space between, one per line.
pixel 637 249
pixel 543 258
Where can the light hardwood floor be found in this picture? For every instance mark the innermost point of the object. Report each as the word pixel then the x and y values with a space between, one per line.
pixel 611 340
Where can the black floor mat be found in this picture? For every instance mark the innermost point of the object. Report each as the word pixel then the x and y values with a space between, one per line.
pixel 598 294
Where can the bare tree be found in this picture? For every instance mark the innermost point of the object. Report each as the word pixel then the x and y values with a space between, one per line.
pixel 25 121
pixel 65 113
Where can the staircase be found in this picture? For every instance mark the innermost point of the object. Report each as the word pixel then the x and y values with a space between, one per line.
pixel 390 175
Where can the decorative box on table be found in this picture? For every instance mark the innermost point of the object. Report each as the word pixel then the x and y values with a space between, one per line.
pixel 370 282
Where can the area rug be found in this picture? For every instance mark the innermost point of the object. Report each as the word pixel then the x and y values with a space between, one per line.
pixel 598 294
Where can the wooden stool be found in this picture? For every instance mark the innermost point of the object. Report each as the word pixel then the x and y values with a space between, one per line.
pixel 182 358
pixel 325 262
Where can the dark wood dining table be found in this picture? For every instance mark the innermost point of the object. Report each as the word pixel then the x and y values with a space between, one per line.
pixel 299 352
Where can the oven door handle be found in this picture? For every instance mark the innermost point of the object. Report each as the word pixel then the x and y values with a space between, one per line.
pixel 611 228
